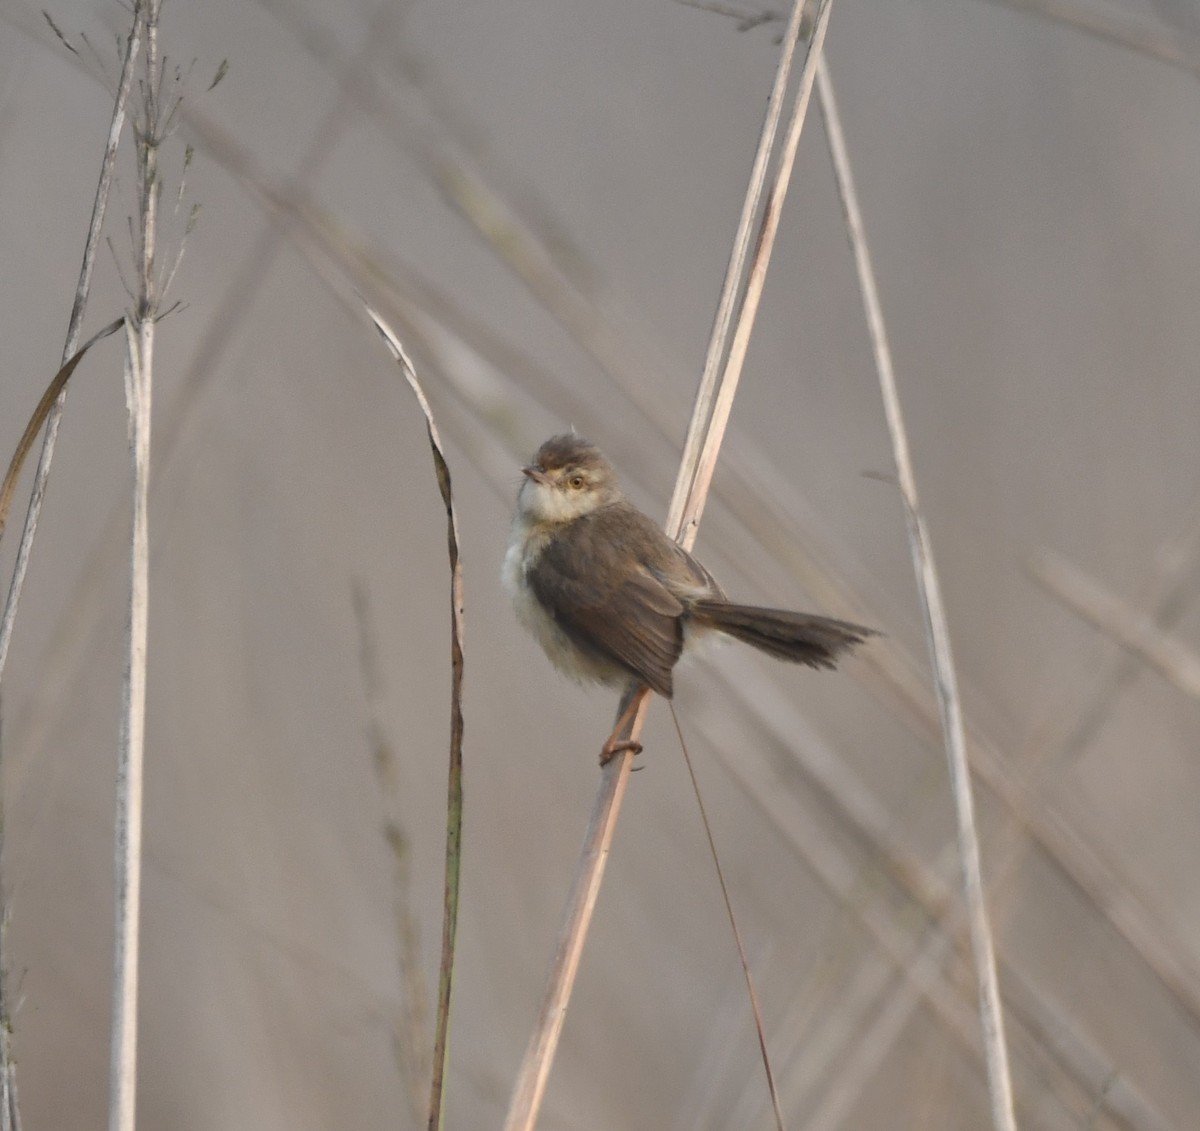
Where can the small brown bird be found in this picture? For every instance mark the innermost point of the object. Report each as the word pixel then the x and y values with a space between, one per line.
pixel 612 599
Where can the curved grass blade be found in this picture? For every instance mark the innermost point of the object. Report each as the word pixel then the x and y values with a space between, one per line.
pixel 56 386
pixel 455 791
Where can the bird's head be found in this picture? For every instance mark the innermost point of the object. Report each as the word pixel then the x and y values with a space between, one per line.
pixel 568 478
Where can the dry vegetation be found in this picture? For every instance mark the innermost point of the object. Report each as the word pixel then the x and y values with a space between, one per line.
pixel 289 672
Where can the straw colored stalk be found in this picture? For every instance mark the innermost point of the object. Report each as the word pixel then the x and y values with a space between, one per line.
pixel 454 799
pixel 937 629
pixel 139 381
pixel 709 418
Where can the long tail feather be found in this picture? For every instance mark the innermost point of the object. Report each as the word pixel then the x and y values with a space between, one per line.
pixel 802 638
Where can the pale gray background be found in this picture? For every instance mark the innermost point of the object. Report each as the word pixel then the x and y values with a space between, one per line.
pixel 1032 197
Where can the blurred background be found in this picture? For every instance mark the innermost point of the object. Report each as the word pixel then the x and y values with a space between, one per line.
pixel 541 198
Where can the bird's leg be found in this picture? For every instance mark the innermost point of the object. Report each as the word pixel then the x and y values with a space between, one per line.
pixel 616 744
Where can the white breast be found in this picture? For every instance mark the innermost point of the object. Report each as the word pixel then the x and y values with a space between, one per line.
pixel 525 546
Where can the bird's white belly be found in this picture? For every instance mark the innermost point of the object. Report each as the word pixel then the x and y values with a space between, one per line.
pixel 523 550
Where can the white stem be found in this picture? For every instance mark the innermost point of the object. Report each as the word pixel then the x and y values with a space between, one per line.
pixel 937 630
pixel 131 753
pixel 122 1115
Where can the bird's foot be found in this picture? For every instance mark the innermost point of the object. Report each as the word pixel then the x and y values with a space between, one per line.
pixel 615 746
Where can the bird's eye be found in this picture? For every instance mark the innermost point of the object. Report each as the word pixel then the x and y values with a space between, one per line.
pixel 576 481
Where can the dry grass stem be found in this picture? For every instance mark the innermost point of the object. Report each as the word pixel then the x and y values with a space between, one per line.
pixel 539 1055
pixel 441 1047
pixel 746 20
pixel 755 1009
pixel 1136 632
pixel 131 760
pixel 991 1013
pixel 131 752
pixel 735 272
pixel 78 306
pixel 722 401
pixel 706 430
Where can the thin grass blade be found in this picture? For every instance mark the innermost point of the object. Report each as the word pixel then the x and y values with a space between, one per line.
pixel 44 407
pixel 454 805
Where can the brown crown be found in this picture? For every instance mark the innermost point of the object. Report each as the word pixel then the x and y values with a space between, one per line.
pixel 569 450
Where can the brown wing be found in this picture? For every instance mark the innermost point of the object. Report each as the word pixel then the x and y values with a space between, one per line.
pixel 592 581
pixel 682 574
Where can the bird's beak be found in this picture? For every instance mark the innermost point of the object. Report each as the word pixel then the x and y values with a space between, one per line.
pixel 537 475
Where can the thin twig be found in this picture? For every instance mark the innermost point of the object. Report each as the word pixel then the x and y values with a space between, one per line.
pixel 454 806
pixel 737 934
pixel 691 487
pixel 1136 632
pixel 746 20
pixel 131 753
pixel 581 902
pixel 73 328
pixel 937 630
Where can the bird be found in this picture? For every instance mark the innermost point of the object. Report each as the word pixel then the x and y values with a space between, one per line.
pixel 612 599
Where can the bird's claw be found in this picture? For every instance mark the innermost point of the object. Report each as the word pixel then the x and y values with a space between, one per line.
pixel 615 746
